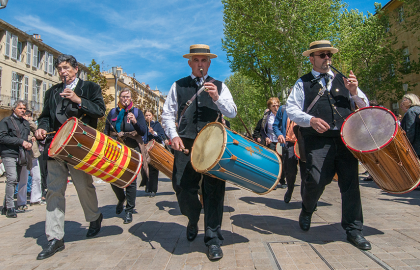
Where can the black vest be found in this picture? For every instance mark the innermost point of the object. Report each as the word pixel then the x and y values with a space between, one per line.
pixel 338 97
pixel 201 111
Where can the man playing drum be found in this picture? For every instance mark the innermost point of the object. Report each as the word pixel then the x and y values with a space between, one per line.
pixel 73 97
pixel 320 120
pixel 204 109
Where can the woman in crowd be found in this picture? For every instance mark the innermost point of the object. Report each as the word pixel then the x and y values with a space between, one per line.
pixel 410 104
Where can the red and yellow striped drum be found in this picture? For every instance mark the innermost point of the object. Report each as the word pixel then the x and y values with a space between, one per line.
pixel 95 153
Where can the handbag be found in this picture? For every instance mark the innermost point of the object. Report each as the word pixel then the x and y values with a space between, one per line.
pixel 24 156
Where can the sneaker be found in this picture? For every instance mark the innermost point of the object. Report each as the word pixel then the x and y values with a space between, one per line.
pixel 38 203
pixel 21 208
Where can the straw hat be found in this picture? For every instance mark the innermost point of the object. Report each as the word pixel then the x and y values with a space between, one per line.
pixel 200 49
pixel 320 45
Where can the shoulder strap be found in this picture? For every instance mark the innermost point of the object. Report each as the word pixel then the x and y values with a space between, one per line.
pixel 16 127
pixel 191 100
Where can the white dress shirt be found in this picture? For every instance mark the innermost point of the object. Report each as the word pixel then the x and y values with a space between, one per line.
pixel 73 84
pixel 270 131
pixel 296 100
pixel 225 104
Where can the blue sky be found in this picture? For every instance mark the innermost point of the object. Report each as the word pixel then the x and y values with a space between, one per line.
pixel 147 38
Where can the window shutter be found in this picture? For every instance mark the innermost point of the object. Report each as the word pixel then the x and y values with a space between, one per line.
pixel 46 61
pixel 14 47
pixel 35 57
pixel 34 89
pixel 50 64
pixel 8 40
pixel 28 53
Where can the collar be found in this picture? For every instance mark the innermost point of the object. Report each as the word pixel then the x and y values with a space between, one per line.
pixel 17 118
pixel 316 74
pixel 73 84
pixel 201 80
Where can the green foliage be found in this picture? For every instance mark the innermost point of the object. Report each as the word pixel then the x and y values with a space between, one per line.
pixel 250 103
pixel 95 75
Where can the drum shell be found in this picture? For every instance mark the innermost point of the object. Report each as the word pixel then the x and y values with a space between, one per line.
pixel 84 135
pixel 241 161
pixel 160 158
pixel 394 165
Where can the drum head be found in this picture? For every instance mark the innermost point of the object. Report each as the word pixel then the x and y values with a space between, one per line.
pixel 369 129
pixel 208 147
pixel 61 138
pixel 279 149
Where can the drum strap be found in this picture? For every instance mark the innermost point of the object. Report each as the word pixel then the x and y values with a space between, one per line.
pixel 320 93
pixel 189 102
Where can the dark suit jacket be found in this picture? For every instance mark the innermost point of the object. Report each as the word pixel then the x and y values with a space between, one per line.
pixel 412 129
pixel 93 105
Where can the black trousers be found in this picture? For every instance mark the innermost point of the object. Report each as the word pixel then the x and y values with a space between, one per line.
pixel 185 181
pixel 282 181
pixel 326 156
pixel 290 163
pixel 129 194
pixel 42 160
pixel 150 182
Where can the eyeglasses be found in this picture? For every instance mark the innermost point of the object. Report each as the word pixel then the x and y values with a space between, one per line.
pixel 322 55
pixel 275 105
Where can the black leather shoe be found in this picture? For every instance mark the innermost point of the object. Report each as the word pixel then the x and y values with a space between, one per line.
pixel 305 220
pixel 119 208
pixel 11 213
pixel 215 252
pixel 359 241
pixel 54 246
pixel 95 227
pixel 128 218
pixel 287 197
pixel 192 231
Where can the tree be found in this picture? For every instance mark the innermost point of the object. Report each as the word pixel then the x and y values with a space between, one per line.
pixel 264 40
pixel 250 103
pixel 95 75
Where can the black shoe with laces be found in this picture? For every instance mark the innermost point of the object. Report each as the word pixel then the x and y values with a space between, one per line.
pixel 359 241
pixel 54 246
pixel 128 218
pixel 215 252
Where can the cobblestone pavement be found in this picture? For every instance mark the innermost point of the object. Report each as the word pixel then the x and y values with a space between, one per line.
pixel 261 232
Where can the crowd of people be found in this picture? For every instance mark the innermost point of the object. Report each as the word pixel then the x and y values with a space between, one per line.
pixel 308 123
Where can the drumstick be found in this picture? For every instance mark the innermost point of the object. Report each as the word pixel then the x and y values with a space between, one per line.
pixel 185 151
pixel 52 132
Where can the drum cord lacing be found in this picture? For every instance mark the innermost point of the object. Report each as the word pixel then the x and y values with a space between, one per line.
pixel 240 177
pixel 256 151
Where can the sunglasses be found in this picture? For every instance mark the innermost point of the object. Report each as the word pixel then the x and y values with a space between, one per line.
pixel 322 55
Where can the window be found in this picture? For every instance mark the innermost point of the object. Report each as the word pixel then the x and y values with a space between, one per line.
pixel 28 53
pixel 44 89
pixel 35 56
pixel 26 89
pixel 0 80
pixel 50 64
pixel 39 59
pixel 46 54
pixel 8 41
pixel 14 47
pixel 16 87
pixel 20 49
pixel 401 14
pixel 36 87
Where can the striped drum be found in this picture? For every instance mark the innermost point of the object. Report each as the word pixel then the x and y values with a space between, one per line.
pixel 95 153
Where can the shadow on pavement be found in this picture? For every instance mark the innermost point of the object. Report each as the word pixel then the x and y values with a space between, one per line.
pixel 171 237
pixel 287 227
pixel 142 193
pixel 173 209
pixel 73 232
pixel 277 204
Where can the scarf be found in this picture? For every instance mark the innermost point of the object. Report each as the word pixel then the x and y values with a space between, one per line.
pixel 120 116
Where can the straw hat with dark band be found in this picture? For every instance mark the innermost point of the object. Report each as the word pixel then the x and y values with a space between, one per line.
pixel 200 49
pixel 320 45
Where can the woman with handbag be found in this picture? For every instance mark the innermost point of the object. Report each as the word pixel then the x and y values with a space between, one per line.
pixel 14 150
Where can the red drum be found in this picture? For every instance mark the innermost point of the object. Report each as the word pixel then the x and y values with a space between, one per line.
pixel 296 149
pixel 374 137
pixel 93 152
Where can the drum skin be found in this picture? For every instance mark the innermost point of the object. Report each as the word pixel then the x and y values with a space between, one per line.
pixel 160 158
pixel 279 149
pixel 227 155
pixel 374 137
pixel 95 153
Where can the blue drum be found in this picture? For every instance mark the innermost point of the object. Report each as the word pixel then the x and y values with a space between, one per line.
pixel 229 156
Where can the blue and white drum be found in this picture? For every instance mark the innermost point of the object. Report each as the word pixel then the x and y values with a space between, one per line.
pixel 229 156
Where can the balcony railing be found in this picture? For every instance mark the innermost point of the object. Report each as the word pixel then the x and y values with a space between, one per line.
pixel 6 102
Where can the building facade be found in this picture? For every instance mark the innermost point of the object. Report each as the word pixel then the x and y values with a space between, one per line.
pixel 408 41
pixel 26 69
pixel 147 98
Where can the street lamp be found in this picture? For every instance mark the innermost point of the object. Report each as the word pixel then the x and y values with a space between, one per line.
pixel 117 73
pixel 3 3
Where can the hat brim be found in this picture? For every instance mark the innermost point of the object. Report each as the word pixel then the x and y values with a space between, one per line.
pixel 211 55
pixel 331 49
